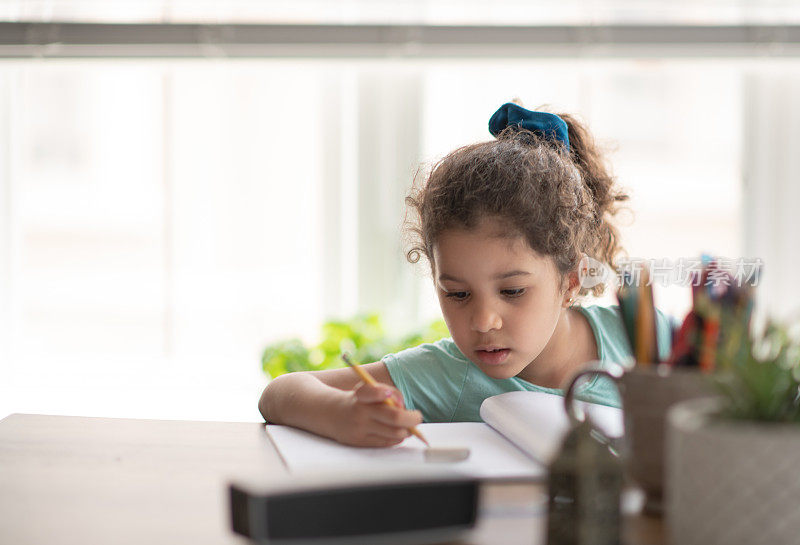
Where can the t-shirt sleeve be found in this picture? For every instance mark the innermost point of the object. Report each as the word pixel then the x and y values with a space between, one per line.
pixel 430 378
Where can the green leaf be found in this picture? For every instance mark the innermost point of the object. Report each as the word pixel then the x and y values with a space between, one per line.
pixel 285 357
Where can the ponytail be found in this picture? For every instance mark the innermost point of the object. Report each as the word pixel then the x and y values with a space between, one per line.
pixel 604 245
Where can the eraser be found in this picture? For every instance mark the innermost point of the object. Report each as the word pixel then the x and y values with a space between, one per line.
pixel 446 455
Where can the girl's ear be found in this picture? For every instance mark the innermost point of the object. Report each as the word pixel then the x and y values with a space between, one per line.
pixel 572 282
pixel 573 287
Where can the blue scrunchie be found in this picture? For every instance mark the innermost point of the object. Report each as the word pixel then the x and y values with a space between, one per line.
pixel 543 123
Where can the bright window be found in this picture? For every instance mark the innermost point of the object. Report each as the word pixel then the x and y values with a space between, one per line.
pixel 164 220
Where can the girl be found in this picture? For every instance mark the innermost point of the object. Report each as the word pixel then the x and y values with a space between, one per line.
pixel 505 226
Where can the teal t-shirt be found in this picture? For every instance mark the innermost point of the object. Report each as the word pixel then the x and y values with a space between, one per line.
pixel 442 383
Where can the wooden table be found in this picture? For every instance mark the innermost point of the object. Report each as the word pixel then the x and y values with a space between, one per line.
pixel 81 480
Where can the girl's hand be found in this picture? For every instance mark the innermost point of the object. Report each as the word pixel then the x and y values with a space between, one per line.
pixel 366 421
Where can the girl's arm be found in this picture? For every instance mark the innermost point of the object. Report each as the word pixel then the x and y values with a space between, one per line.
pixel 336 404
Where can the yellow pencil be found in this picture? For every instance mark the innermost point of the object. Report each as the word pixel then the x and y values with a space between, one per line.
pixel 363 375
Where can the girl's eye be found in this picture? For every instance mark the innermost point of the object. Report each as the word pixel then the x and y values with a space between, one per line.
pixel 457 295
pixel 513 293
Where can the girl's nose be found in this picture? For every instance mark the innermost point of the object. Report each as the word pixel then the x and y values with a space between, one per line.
pixel 485 318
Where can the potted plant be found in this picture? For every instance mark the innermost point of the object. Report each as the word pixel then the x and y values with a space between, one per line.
pixel 363 336
pixel 733 462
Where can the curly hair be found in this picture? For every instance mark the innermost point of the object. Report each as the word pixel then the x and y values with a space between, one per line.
pixel 559 200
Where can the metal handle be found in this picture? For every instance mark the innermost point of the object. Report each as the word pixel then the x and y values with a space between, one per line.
pixel 615 373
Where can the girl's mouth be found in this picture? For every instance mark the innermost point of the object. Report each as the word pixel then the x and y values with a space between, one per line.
pixel 493 357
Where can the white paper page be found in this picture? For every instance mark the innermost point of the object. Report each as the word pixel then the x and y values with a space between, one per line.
pixel 491 455
pixel 536 421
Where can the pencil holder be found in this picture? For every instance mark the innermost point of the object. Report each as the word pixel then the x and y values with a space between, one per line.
pixel 647 393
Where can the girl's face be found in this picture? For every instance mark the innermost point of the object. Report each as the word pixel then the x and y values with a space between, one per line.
pixel 501 300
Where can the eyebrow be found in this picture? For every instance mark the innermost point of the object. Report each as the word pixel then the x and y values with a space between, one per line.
pixel 500 276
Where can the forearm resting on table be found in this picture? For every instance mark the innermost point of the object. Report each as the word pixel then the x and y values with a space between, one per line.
pixel 301 400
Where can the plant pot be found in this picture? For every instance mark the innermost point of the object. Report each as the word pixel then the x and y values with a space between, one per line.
pixel 731 482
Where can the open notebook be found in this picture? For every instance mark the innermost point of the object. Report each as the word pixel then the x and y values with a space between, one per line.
pixel 521 433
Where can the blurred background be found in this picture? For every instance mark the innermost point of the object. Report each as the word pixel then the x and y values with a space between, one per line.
pixel 183 183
